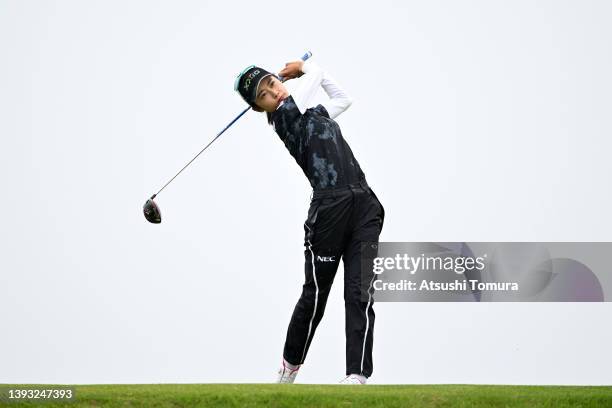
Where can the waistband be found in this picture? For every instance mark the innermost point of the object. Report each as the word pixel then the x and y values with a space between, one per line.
pixel 335 191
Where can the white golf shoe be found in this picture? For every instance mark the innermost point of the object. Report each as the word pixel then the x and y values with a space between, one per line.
pixel 354 379
pixel 286 375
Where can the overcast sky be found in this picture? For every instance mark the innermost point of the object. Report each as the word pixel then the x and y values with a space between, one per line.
pixel 472 120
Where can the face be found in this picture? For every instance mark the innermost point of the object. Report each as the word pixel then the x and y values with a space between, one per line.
pixel 270 93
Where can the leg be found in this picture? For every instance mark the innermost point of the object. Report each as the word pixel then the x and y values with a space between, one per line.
pixel 359 312
pixel 310 307
pixel 323 229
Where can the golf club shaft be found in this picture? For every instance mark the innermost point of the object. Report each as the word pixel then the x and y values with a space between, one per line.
pixel 307 55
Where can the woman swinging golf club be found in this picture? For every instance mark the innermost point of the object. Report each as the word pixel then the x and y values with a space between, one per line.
pixel 343 213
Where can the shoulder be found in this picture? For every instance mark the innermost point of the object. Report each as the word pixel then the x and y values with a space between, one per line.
pixel 287 104
pixel 286 113
pixel 320 110
pixel 286 107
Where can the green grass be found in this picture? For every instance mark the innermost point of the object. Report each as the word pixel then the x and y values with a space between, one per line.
pixel 302 395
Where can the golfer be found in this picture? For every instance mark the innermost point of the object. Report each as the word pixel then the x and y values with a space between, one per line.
pixel 343 213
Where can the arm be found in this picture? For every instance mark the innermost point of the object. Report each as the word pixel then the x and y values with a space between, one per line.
pixel 339 100
pixel 308 85
pixel 314 77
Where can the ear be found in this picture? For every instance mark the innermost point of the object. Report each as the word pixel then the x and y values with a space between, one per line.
pixel 256 108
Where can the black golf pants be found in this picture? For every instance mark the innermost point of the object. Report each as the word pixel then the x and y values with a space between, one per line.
pixel 338 222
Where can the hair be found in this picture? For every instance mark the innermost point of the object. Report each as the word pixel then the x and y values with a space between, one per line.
pixel 258 109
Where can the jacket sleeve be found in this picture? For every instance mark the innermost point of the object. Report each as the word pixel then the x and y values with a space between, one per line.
pixel 309 83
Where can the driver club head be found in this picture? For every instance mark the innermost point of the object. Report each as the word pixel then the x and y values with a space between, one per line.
pixel 151 211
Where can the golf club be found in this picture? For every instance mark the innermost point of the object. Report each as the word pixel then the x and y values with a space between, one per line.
pixel 150 208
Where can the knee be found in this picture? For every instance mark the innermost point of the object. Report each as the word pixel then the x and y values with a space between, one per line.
pixel 356 294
